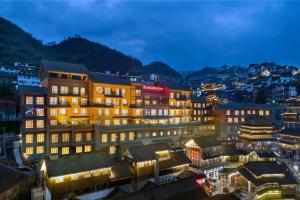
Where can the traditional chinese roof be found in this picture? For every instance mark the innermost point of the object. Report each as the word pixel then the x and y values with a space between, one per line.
pixel 75 163
pixel 207 141
pixel 291 132
pixel 266 154
pixel 256 172
pixel 64 67
pixel 108 79
pixel 231 150
pixel 176 159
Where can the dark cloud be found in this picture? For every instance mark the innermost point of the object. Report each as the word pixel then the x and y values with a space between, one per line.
pixel 185 34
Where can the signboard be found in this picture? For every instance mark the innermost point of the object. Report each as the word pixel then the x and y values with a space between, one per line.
pixel 156 89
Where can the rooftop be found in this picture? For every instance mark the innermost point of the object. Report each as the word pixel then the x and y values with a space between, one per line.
pixel 291 132
pixel 229 196
pixel 64 67
pixel 31 90
pixel 207 141
pixel 108 79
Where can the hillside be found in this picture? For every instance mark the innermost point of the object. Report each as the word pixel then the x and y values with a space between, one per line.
pixel 202 73
pixel 163 70
pixel 17 45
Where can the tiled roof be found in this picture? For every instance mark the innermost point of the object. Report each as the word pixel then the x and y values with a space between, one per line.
pixel 291 131
pixel 266 167
pixel 176 159
pixel 108 79
pixel 207 141
pixel 121 170
pixel 266 154
pixel 76 163
pixel 147 152
pixel 9 177
pixel 231 150
pixel 64 67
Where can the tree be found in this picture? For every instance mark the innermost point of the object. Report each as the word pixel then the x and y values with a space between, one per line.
pixel 261 96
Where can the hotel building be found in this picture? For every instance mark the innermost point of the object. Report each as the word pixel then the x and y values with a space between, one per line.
pixel 76 111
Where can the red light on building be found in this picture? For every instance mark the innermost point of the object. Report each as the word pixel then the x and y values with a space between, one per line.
pixel 200 181
pixel 153 88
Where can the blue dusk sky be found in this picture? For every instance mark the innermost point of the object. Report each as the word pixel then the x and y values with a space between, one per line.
pixel 187 35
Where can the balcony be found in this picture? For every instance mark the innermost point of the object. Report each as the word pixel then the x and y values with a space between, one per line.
pixel 102 105
pixel 114 95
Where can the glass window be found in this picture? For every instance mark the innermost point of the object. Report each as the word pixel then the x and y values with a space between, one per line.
pixel 107 91
pixel 29 100
pixel 267 112
pixel 54 138
pixel 29 138
pixel 29 124
pixel 39 149
pixel 54 150
pixel 236 120
pixel 236 112
pixel 64 89
pixel 88 137
pixel 122 136
pixel 131 135
pixel 62 112
pixel 65 137
pixel 75 110
pixel 40 112
pixel 229 120
pixel 261 112
pixel 83 101
pixel 83 111
pixel 64 76
pixel 54 89
pixel 53 101
pixel 65 150
pixel 112 149
pixel 113 137
pixel 53 112
pixel 104 138
pixel 99 90
pixel 78 137
pixel 75 100
pixel 75 90
pixel 82 91
pixel 107 122
pixel 79 149
pixel 40 100
pixel 29 150
pixel 62 100
pixel 40 137
pixel 76 77
pixel 87 148
pixel 98 100
pixel 227 112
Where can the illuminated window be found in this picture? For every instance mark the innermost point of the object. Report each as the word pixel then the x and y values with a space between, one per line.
pixel 29 100
pixel 82 91
pixel 100 111
pixel 54 150
pixel 83 101
pixel 75 90
pixel 107 91
pixel 75 100
pixel 117 111
pixel 64 89
pixel 75 110
pixel 87 148
pixel 53 112
pixel 40 123
pixel 253 112
pixel 99 100
pixel 154 134
pixel 267 112
pixel 29 124
pixel 227 112
pixel 62 112
pixel 236 112
pixel 243 119
pixel 229 120
pixel 79 149
pixel 104 138
pixel 78 137
pixel 40 112
pixel 122 136
pixel 29 138
pixel 83 111
pixel 236 120
pixel 138 93
pixel 54 137
pixel 131 135
pixel 242 112
pixel 53 122
pixel 39 149
pixel 54 89
pixel 172 95
pixel 116 122
pixel 65 150
pixel 124 121
pixel 125 102
pixel 112 149
pixel 107 122
pixel 62 100
pixel 99 90
pixel 53 101
pixel 108 101
pixel 123 91
pixel 113 137
pixel 248 112
pixel 65 137
pixel 29 150
pixel 40 137
pixel 88 137
pixel 261 112
pixel 40 100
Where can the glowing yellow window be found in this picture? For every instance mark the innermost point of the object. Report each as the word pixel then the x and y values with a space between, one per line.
pixel 131 135
pixel 40 100
pixel 65 137
pixel 29 124
pixel 79 149
pixel 87 148
pixel 122 136
pixel 40 137
pixel 29 100
pixel 54 150
pixel 78 137
pixel 29 150
pixel 104 138
pixel 40 123
pixel 54 138
pixel 65 150
pixel 39 149
pixel 112 149
pixel 113 137
pixel 29 138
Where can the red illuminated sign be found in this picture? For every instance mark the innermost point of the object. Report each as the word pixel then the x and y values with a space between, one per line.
pixel 153 88
pixel 200 181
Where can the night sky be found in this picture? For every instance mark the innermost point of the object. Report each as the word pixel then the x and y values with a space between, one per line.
pixel 188 35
